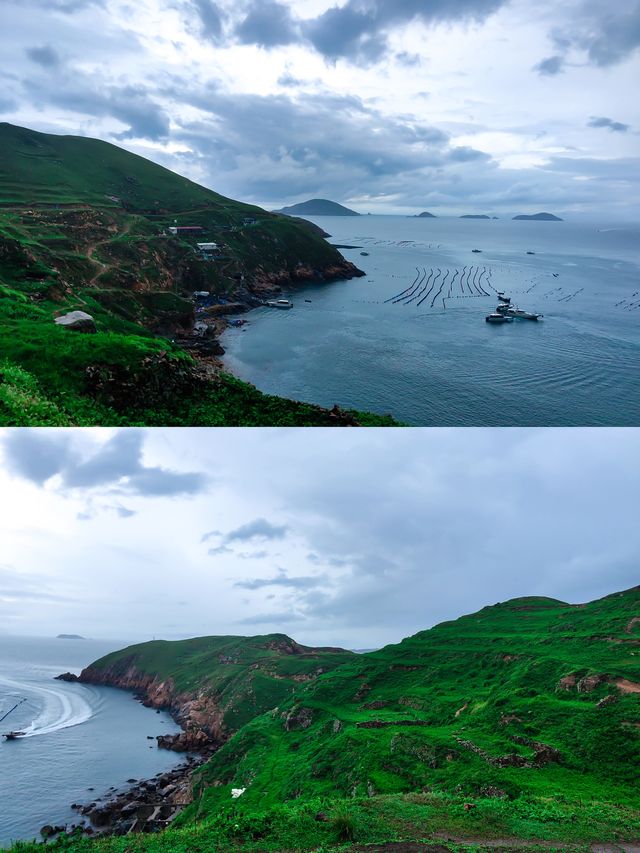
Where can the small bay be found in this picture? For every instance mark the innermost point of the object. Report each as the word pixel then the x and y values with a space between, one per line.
pixel 433 360
pixel 81 740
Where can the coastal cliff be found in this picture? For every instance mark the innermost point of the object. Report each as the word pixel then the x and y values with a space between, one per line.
pixel 104 260
pixel 212 686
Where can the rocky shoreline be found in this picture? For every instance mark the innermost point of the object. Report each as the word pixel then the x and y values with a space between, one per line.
pixel 202 340
pixel 149 804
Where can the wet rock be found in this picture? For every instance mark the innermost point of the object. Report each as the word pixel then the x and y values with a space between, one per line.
pixel 102 817
pixel 191 741
pixel 66 676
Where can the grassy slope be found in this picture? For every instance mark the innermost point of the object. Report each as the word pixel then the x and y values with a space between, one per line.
pixel 246 675
pixel 486 679
pixel 65 245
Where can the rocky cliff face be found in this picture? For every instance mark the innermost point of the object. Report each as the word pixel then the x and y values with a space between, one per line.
pixel 197 713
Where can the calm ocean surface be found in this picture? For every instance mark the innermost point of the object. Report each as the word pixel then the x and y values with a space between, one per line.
pixel 79 736
pixel 434 360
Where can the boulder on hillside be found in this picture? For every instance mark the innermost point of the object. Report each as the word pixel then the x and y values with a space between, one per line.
pixel 77 321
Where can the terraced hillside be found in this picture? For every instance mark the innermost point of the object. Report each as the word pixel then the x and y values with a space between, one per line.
pixel 87 226
pixel 514 728
pixel 532 696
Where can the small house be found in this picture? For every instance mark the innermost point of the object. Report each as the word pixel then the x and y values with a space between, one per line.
pixel 185 229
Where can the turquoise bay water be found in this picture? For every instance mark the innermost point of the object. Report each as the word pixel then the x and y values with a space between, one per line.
pixel 78 736
pixel 434 362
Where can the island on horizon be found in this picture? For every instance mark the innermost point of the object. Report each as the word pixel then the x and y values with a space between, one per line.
pixel 317 207
pixel 70 637
pixel 425 215
pixel 541 217
pixel 474 216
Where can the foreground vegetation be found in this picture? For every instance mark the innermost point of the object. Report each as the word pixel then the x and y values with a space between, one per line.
pixel 521 721
pixel 85 226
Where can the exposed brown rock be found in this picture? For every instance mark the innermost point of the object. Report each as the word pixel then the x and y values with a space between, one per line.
pixel 590 682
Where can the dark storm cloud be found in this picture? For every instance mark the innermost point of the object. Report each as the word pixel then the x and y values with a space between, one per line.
pixel 45 56
pixel 608 33
pixel 358 31
pixel 550 67
pixel 132 105
pixel 259 528
pixel 603 121
pixel 282 579
pixel 211 18
pixel 247 138
pixel 37 456
pixel 268 24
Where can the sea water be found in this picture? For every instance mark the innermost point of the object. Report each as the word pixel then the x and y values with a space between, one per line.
pixel 432 359
pixel 80 740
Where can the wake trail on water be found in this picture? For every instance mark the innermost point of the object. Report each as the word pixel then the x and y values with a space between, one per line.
pixel 56 708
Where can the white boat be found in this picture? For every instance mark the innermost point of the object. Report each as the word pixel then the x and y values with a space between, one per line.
pixel 519 314
pixel 498 318
pixel 502 298
pixel 279 303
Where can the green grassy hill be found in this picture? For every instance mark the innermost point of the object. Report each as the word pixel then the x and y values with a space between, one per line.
pixel 233 678
pixel 43 168
pixel 514 728
pixel 84 225
pixel 532 697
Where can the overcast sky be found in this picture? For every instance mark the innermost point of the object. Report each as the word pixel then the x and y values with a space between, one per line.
pixel 386 105
pixel 349 537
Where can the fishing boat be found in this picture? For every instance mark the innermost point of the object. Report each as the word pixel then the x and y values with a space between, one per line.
pixel 12 735
pixel 520 314
pixel 279 303
pixel 497 317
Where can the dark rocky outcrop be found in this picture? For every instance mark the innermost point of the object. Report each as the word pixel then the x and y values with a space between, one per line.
pixel 67 676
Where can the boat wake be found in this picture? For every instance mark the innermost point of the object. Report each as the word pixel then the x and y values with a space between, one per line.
pixel 55 708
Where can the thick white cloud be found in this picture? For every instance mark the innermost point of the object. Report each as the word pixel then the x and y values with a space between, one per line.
pixel 338 537
pixel 396 104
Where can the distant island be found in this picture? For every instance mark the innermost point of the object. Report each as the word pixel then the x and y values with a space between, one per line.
pixel 70 637
pixel 543 217
pixel 317 207
pixel 475 216
pixel 426 215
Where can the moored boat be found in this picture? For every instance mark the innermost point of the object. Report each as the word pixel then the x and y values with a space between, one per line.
pixel 497 317
pixel 520 314
pixel 279 303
